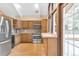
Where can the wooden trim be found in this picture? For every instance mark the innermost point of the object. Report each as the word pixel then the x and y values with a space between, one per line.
pixel 52 13
pixel 47 47
pixel 62 6
pixel 59 10
pixel 68 6
pixel 62 27
pixel 58 31
pixel 7 17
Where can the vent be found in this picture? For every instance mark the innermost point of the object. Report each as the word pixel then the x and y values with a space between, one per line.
pixel 36 11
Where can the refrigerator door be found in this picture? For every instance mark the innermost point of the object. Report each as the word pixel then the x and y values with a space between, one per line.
pixel 5 38
pixel 3 31
pixel 5 48
pixel 2 36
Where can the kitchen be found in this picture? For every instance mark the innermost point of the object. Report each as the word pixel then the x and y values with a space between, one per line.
pixel 26 35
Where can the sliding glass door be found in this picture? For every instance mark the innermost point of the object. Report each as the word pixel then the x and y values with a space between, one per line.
pixel 71 30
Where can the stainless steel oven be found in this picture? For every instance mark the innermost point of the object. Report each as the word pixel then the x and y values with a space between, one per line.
pixel 37 34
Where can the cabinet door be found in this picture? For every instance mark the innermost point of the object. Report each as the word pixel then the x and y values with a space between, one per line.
pixel 44 25
pixel 30 23
pixel 45 42
pixel 26 38
pixel 14 23
pixel 52 46
pixel 17 39
pixel 24 24
pixel 18 24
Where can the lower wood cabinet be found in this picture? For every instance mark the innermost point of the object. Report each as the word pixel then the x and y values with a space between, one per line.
pixel 23 38
pixel 17 39
pixel 45 42
pixel 26 38
pixel 50 45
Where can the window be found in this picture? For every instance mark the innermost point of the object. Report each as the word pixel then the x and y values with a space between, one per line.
pixel 54 23
pixel 52 19
pixel 71 30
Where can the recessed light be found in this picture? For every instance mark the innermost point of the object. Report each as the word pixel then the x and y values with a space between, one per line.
pixel 17 5
pixel 36 5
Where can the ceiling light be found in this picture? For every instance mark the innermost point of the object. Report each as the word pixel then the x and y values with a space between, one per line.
pixel 17 5
pixel 36 6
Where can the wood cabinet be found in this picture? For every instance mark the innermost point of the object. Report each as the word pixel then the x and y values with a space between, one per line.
pixel 26 38
pixel 37 22
pixel 50 44
pixel 24 24
pixel 17 39
pixel 44 26
pixel 45 42
pixel 23 38
pixel 30 24
pixel 16 24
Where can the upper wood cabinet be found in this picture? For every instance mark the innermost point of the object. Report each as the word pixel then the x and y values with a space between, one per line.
pixel 37 22
pixel 18 24
pixel 14 23
pixel 30 24
pixel 24 24
pixel 44 26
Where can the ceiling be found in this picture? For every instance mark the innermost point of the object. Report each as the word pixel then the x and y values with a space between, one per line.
pixel 26 9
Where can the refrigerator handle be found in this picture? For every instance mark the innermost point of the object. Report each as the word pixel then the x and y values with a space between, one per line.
pixel 4 42
pixel 1 22
pixel 7 32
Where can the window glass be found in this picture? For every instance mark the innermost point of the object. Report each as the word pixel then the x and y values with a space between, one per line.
pixel 71 30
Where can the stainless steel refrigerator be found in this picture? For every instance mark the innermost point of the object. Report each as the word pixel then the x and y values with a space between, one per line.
pixel 5 36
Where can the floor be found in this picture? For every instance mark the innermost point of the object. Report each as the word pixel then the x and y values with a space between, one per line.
pixel 28 49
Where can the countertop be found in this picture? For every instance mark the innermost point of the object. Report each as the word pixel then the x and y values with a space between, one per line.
pixel 44 35
pixel 48 35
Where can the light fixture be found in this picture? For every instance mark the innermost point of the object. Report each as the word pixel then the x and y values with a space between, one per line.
pixel 36 6
pixel 17 5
